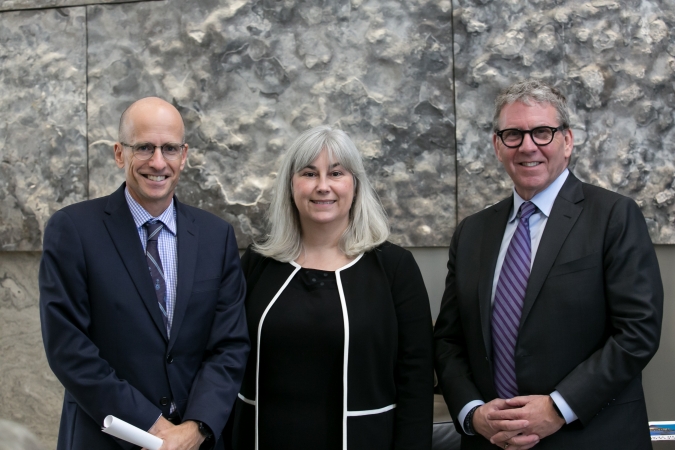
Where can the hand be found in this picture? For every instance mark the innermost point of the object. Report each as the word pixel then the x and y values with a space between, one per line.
pixel 536 410
pixel 488 428
pixel 185 436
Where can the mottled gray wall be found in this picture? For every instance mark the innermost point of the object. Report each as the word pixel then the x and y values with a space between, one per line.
pixel 13 5
pixel 616 62
pixel 248 76
pixel 30 394
pixel 43 128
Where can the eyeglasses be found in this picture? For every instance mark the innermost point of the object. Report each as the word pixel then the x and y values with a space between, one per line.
pixel 513 137
pixel 171 151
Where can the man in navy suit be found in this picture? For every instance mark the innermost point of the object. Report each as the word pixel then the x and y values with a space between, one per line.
pixel 163 348
pixel 553 299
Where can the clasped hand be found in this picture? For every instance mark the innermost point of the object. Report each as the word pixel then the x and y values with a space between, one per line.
pixel 185 436
pixel 517 423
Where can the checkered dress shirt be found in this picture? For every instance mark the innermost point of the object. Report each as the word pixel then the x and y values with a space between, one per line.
pixel 166 245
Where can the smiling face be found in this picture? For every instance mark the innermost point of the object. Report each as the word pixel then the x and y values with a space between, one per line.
pixel 323 193
pixel 152 182
pixel 533 167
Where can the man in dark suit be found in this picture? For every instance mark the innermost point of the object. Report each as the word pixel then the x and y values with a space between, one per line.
pixel 141 300
pixel 553 299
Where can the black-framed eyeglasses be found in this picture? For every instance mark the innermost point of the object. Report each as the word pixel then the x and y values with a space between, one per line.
pixel 513 137
pixel 144 151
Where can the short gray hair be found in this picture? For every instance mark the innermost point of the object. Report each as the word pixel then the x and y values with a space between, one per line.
pixel 368 225
pixel 529 91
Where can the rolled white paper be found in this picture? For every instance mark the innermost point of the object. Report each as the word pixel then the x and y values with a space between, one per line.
pixel 127 432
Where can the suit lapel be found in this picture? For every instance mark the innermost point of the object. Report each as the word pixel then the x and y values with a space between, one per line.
pixel 187 242
pixel 492 240
pixel 564 214
pixel 120 225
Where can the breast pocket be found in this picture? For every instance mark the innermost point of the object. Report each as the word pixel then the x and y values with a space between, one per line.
pixel 576 265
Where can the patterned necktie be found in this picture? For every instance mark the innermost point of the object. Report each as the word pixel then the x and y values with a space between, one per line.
pixel 155 266
pixel 508 304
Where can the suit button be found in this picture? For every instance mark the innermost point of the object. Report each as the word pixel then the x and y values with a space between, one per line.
pixel 164 401
pixel 169 359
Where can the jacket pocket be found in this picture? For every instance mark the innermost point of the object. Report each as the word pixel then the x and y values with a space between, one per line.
pixel 576 265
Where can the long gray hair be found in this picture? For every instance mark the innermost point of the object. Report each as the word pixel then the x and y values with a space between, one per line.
pixel 368 226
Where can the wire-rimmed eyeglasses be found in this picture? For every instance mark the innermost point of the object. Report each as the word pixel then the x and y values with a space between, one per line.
pixel 144 151
pixel 513 137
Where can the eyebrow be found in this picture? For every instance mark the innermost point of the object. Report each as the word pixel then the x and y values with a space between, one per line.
pixel 309 166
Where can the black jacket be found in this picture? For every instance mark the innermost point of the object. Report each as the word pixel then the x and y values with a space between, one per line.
pixel 389 348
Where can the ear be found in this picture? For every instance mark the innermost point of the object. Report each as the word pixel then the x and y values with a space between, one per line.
pixel 183 159
pixel 496 145
pixel 118 149
pixel 569 142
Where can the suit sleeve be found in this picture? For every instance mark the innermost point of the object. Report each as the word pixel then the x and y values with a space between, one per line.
pixel 219 379
pixel 451 358
pixel 414 372
pixel 65 319
pixel 634 301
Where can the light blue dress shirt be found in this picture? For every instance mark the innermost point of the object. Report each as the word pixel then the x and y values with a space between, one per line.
pixel 166 244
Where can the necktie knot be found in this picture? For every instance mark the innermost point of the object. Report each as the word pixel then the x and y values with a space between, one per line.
pixel 526 210
pixel 153 229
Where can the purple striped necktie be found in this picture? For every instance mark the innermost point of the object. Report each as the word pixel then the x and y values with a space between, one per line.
pixel 155 267
pixel 508 304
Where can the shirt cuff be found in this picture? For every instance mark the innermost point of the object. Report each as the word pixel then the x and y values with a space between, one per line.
pixel 564 408
pixel 465 411
pixel 160 415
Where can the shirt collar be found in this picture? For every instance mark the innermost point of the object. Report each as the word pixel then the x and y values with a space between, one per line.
pixel 544 199
pixel 141 216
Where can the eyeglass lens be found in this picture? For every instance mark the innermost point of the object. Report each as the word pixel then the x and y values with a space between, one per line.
pixel 540 136
pixel 145 151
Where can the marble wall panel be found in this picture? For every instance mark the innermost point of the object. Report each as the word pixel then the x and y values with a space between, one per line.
pixel 616 62
pixel 249 76
pixel 42 120
pixel 30 394
pixel 11 5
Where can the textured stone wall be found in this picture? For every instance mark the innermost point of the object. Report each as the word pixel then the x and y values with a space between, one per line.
pixel 30 394
pixel 43 132
pixel 616 62
pixel 13 5
pixel 248 76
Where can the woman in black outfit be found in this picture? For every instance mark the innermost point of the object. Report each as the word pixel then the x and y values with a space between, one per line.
pixel 339 319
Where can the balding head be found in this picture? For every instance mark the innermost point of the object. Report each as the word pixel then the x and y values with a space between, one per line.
pixel 151 123
pixel 143 109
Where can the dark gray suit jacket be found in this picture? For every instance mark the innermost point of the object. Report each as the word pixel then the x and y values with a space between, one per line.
pixel 104 334
pixel 591 318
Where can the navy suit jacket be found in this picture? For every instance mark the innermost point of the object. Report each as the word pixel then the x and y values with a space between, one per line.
pixel 103 331
pixel 591 317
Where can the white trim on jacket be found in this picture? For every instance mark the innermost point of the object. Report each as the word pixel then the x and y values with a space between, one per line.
pixel 345 318
pixel 257 359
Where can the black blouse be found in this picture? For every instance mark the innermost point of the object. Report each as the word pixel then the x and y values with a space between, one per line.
pixel 301 356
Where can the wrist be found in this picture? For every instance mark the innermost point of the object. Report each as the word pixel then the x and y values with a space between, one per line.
pixel 204 430
pixel 468 421
pixel 556 409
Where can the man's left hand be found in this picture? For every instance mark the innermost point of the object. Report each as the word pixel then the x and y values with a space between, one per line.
pixel 538 410
pixel 185 436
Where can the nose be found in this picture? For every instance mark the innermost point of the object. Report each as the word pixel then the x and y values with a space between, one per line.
pixel 157 160
pixel 322 184
pixel 528 144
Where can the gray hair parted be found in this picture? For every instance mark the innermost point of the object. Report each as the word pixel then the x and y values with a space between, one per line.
pixel 368 225
pixel 529 91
